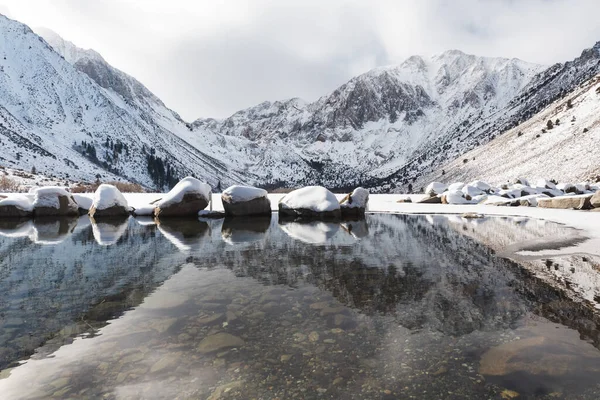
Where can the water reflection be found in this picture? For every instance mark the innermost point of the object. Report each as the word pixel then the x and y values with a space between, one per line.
pixel 358 229
pixel 52 230
pixel 15 227
pixel 185 234
pixel 108 231
pixel 312 232
pixel 145 221
pixel 416 307
pixel 245 230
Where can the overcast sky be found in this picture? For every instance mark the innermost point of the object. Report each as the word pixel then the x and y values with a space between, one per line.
pixel 210 58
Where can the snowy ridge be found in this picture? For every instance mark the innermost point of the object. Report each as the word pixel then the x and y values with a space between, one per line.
pixel 567 152
pixel 372 125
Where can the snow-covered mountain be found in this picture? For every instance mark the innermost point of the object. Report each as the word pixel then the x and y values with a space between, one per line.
pixel 65 110
pixel 374 124
pixel 96 123
pixel 555 84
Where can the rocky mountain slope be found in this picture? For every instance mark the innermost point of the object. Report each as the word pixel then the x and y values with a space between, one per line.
pixel 67 123
pixel 376 123
pixel 386 129
pixel 560 142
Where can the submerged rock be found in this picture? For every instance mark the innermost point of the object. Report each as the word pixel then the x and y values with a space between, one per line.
pixel 219 341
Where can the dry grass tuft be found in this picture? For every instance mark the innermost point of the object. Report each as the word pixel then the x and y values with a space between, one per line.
pixel 124 187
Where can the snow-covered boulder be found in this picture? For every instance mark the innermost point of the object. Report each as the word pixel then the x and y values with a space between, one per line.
pixel 525 190
pixel 456 186
pixel 185 199
pixel 510 193
pixel 545 184
pixel 16 205
pixel 312 202
pixel 456 197
pixel 245 200
pixel 53 201
pixel 435 188
pixel 471 191
pixel 520 181
pixel 481 185
pixel 567 187
pixel 355 203
pixel 582 187
pixel 84 203
pixel 108 202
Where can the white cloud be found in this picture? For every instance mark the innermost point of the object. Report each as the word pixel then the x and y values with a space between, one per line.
pixel 211 58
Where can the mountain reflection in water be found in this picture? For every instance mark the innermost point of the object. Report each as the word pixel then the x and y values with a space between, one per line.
pixel 388 307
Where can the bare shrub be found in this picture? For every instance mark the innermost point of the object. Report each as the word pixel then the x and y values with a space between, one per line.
pixel 8 185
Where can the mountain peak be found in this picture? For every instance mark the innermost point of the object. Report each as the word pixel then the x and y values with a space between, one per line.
pixel 70 52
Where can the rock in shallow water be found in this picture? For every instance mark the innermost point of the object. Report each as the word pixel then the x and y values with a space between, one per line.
pixel 219 341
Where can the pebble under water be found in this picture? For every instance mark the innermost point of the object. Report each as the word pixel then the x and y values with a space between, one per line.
pixel 391 307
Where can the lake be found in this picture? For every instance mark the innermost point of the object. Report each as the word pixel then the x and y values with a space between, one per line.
pixel 390 307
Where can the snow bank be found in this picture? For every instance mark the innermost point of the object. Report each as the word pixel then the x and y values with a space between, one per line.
pixel 183 187
pixel 237 193
pixel 146 210
pixel 435 188
pixel 107 196
pixel 48 196
pixel 83 201
pixel 21 201
pixel 314 198
pixel 545 184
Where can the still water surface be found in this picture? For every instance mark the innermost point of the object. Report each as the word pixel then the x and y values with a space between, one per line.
pixel 392 307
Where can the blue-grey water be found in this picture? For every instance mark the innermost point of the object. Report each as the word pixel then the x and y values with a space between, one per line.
pixel 391 307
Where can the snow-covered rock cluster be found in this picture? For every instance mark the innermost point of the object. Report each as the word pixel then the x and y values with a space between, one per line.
pixel 519 192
